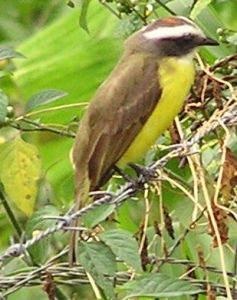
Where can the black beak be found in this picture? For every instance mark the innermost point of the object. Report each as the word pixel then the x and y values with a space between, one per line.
pixel 208 42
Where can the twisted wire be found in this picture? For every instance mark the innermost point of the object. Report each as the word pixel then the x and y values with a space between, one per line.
pixel 226 116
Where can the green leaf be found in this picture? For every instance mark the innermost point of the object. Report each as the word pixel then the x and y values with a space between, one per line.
pixel 98 215
pixel 3 107
pixel 125 216
pixel 159 285
pixel 198 7
pixel 83 14
pixel 35 225
pixel 60 56
pixel 6 52
pixel 19 172
pixel 226 11
pixel 98 260
pixel 44 97
pixel 71 68
pixel 97 256
pixel 37 221
pixel 123 245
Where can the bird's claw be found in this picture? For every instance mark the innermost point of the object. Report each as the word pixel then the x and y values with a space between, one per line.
pixel 144 174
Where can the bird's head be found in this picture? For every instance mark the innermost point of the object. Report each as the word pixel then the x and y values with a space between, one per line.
pixel 170 36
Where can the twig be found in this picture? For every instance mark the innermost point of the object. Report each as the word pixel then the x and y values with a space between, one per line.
pixel 50 109
pixel 223 62
pixel 143 18
pixel 170 251
pixel 103 2
pixel 146 218
pixel 41 127
pixel 10 213
pixel 166 7
pixel 185 191
pixel 162 220
pixel 94 286
pixel 194 174
pixel 211 75
pixel 217 234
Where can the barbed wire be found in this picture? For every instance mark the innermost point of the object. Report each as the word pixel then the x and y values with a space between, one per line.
pixel 62 274
pixel 226 116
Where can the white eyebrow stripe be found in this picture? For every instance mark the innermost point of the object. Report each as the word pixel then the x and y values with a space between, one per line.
pixel 171 32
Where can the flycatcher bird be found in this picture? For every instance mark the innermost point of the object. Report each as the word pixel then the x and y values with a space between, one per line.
pixel 137 102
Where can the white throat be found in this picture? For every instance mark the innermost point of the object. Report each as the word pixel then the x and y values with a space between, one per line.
pixel 188 58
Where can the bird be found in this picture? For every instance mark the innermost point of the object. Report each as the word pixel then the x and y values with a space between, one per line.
pixel 137 102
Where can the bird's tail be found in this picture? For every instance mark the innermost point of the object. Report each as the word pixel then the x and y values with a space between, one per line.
pixel 81 198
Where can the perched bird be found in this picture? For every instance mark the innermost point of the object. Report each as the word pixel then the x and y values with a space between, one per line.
pixel 137 102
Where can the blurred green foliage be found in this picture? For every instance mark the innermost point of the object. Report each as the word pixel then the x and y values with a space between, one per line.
pixel 61 55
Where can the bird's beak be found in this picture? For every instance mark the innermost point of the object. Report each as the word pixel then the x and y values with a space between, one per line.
pixel 208 42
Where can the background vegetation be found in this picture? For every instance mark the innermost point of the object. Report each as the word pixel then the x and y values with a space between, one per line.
pixel 178 239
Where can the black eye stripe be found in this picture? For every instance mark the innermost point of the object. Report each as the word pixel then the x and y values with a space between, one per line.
pixel 188 37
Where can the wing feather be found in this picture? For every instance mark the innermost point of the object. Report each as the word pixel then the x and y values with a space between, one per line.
pixel 115 116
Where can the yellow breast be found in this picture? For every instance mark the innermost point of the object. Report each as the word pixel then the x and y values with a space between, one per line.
pixel 176 77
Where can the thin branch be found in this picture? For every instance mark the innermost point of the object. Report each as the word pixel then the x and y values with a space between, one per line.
pixel 10 213
pixel 40 127
pixel 103 2
pixel 146 218
pixel 50 109
pixel 194 174
pixel 233 97
pixel 215 227
pixel 166 7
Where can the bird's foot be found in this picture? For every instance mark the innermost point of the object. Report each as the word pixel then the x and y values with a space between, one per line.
pixel 125 176
pixel 144 174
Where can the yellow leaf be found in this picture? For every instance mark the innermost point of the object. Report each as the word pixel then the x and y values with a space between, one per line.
pixel 19 171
